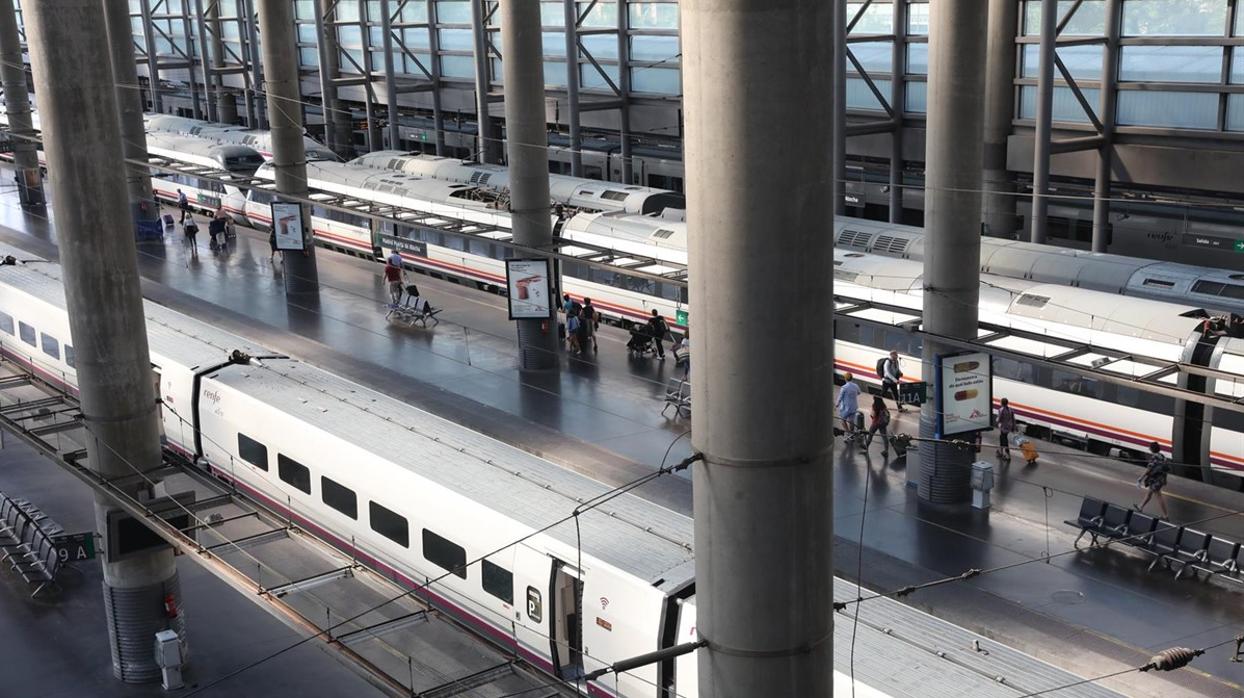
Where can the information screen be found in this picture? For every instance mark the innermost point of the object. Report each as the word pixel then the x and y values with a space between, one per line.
pixel 530 288
pixel 287 222
pixel 965 388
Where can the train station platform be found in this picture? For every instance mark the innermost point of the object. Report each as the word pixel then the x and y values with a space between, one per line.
pixel 1090 612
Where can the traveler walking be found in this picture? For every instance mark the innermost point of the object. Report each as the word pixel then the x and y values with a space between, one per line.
pixel 215 227
pixel 1006 427
pixel 879 422
pixel 849 406
pixel 183 203
pixel 889 371
pixel 572 330
pixel 1154 478
pixel 393 275
pixel 591 323
pixel 659 329
pixel 272 243
pixel 191 229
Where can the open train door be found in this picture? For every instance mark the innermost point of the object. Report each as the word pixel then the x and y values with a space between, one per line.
pixel 566 621
pixel 1190 437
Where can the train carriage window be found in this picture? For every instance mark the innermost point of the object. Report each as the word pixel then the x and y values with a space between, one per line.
pixel 1128 396
pixel 444 553
pixel 389 524
pixel 1209 288
pixel 498 581
pixel 1235 291
pixel 51 345
pixel 339 497
pixel 1227 419
pixel 27 333
pixel 293 472
pixel 611 195
pixel 71 357
pixel 1158 283
pixel 1006 368
pixel 252 451
pixel 6 323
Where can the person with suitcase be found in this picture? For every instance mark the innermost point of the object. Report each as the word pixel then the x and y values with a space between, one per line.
pixel 848 405
pixel 879 424
pixel 1006 427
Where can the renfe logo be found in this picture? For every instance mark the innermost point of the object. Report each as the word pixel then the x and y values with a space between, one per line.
pixel 212 396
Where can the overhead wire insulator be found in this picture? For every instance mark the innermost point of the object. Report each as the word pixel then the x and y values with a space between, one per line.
pixel 1172 658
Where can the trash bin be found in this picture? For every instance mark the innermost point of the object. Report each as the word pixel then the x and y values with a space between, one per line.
pixel 982 483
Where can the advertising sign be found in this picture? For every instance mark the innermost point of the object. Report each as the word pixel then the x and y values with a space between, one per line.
pixel 965 391
pixel 531 288
pixel 287 222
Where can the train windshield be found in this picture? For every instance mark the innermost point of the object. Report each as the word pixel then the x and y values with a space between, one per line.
pixel 246 164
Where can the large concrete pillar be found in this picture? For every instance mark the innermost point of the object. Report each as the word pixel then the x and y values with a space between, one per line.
pixel 81 138
pixel 1109 97
pixel 488 146
pixel 952 205
pixel 17 106
pixel 129 102
pixel 526 141
pixel 762 495
pixel 289 158
pixel 226 101
pixel 1045 121
pixel 338 133
pixel 999 213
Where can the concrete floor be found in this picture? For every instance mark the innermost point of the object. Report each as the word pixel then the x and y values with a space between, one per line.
pixel 1088 612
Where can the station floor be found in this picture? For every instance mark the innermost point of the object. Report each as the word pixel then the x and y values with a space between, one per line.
pixel 1091 613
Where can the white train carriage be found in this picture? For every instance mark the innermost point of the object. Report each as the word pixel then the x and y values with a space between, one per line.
pixel 1100 415
pixel 1144 278
pixel 204 194
pixel 576 192
pixel 229 134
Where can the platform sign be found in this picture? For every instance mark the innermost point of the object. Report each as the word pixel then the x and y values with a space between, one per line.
pixel 681 316
pixel 530 287
pixel 75 547
pixel 915 393
pixel 287 222
pixel 965 393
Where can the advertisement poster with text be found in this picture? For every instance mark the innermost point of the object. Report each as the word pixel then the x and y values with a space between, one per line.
pixel 530 287
pixel 287 222
pixel 967 393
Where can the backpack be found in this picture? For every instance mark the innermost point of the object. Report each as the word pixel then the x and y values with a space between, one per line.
pixel 881 367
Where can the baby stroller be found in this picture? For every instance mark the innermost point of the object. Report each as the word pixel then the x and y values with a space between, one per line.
pixel 640 343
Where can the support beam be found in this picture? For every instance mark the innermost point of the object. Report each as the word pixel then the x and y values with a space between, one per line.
pixel 390 84
pixel 17 106
pixel 898 59
pixel 571 14
pixel 153 58
pixel 375 139
pixel 526 140
pixel 289 160
pixel 434 48
pixel 124 73
pixel 192 56
pixel 205 60
pixel 1109 97
pixel 1074 145
pixel 1044 125
pixel 999 184
pixel 338 132
pixel 624 90
pixel 82 142
pixel 838 147
pixel 259 119
pixel 488 144
pixel 762 495
pixel 952 205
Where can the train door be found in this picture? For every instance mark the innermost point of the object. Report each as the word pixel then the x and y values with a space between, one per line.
pixel 1191 433
pixel 565 621
pixel 155 377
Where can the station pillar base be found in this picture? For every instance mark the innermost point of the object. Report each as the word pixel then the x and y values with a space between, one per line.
pixel 945 475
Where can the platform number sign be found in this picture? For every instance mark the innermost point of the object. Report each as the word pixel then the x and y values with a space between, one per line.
pixel 75 547
pixel 535 605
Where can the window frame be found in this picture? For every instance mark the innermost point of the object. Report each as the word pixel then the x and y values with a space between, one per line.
pixel 285 464
pixel 250 446
pixel 330 488
pixel 436 543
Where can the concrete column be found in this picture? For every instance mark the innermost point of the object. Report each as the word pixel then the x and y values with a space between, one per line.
pixel 390 86
pixel 952 204
pixel 572 88
pixel 17 106
pixel 153 60
pixel 289 159
pixel 144 211
pixel 898 92
pixel 1109 97
pixel 337 128
pixel 526 140
pixel 624 87
pixel 488 147
pixel 226 102
pixel 999 213
pixel 1044 125
pixel 762 495
pixel 839 145
pixel 81 139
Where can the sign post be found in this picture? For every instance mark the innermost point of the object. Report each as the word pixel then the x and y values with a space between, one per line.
pixel 287 225
pixel 964 393
pixel 530 287
pixel 75 547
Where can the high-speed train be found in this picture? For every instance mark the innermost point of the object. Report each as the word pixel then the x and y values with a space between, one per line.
pixel 1131 276
pixel 230 134
pixel 204 194
pixel 577 192
pixel 411 495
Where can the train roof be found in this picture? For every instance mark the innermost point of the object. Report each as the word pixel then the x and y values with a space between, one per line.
pixel 628 532
pixel 177 337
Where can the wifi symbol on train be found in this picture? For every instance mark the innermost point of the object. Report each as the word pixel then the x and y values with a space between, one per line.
pixel 604 602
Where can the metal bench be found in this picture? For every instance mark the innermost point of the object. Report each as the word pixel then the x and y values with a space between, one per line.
pixel 27 537
pixel 1090 519
pixel 1221 557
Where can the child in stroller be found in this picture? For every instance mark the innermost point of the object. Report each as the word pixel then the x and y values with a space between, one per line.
pixel 640 343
